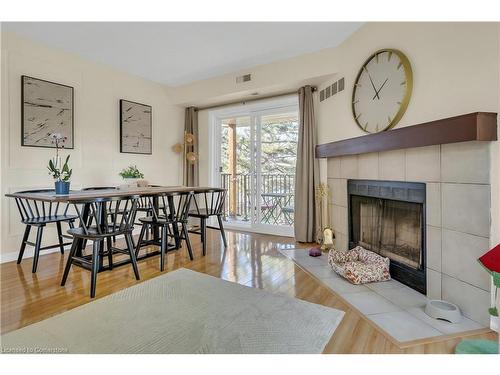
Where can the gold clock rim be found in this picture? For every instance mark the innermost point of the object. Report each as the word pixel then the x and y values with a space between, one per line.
pixel 409 87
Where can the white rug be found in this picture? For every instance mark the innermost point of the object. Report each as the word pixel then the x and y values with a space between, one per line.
pixel 183 312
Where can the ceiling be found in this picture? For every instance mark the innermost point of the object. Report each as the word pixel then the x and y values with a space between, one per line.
pixel 178 53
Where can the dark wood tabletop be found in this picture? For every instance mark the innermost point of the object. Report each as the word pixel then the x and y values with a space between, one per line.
pixel 78 195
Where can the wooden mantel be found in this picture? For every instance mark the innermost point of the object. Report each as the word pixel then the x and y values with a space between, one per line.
pixel 477 126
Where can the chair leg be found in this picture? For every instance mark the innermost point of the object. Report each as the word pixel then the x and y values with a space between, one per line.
pixel 140 239
pixel 188 242
pixel 23 244
pixel 163 246
pixel 113 220
pixel 203 235
pixel 38 244
pixel 69 262
pixel 95 267
pixel 130 246
pixel 59 235
pixel 110 252
pixel 222 232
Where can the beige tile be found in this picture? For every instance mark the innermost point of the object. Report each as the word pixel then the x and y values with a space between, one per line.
pixel 403 326
pixel 370 302
pixel 472 301
pixel 466 208
pixel 467 162
pixel 460 253
pixel 349 166
pixel 340 241
pixel 342 286
pixel 433 204
pixel 433 284
pixel 392 165
pixel 339 219
pixel 333 167
pixel 423 164
pixel 434 248
pixel 404 296
pixel 338 191
pixel 443 326
pixel 368 166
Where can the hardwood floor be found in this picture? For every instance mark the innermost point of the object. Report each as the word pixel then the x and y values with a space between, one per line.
pixel 250 259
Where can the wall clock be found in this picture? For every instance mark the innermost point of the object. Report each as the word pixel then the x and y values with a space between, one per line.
pixel 382 90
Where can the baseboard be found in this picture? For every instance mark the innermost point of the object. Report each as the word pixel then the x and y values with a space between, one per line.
pixel 28 253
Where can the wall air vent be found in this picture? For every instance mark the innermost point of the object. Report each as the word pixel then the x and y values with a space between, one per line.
pixel 244 78
pixel 332 90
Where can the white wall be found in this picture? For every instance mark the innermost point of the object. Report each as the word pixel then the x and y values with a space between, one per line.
pixel 455 67
pixel 96 159
pixel 455 71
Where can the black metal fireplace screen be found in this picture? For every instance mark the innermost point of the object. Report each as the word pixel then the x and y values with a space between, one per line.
pixel 388 217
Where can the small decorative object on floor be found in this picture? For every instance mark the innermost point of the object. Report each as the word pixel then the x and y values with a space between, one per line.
pixel 491 263
pixel 359 266
pixel 131 176
pixel 315 252
pixel 328 237
pixel 438 309
pixel 59 172
pixel 322 201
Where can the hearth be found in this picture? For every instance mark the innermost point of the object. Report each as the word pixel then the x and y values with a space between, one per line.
pixel 388 217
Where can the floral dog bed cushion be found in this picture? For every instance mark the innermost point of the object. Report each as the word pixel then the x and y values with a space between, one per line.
pixel 359 265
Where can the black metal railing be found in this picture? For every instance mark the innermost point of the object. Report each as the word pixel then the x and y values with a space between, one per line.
pixel 276 209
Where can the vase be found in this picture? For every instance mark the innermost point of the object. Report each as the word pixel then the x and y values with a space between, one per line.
pixel 62 187
pixel 131 182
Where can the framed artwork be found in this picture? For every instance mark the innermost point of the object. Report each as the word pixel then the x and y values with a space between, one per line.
pixel 135 128
pixel 46 109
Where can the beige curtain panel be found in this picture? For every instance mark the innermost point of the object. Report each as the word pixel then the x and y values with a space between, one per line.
pixel 307 168
pixel 191 176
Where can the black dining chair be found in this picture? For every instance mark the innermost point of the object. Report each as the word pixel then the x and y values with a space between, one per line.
pixel 173 213
pixel 207 204
pixel 103 230
pixel 36 213
pixel 111 213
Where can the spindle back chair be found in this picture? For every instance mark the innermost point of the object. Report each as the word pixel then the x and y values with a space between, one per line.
pixel 112 217
pixel 207 204
pixel 173 213
pixel 38 214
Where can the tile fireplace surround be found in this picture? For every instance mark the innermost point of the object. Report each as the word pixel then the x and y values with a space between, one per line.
pixel 457 178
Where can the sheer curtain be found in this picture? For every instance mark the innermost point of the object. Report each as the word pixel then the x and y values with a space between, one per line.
pixel 190 177
pixel 306 172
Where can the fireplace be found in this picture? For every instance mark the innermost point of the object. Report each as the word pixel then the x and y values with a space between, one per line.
pixel 388 217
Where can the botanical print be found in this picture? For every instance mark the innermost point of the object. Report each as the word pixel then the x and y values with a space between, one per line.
pixel 47 108
pixel 135 127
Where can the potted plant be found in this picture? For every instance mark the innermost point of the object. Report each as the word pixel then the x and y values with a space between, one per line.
pixel 131 175
pixel 61 173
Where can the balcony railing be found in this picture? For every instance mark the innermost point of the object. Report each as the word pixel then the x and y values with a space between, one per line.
pixel 276 198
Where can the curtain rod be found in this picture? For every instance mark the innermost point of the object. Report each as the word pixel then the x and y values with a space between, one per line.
pixel 245 101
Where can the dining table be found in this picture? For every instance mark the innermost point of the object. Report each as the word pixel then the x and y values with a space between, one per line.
pixel 76 196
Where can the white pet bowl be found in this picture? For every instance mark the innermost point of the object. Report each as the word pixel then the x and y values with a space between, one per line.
pixel 443 310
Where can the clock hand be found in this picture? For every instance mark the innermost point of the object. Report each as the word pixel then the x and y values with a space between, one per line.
pixel 373 85
pixel 378 91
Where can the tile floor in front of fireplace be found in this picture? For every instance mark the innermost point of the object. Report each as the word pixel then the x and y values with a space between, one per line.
pixel 391 305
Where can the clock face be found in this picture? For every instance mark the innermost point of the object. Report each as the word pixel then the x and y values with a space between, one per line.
pixel 382 91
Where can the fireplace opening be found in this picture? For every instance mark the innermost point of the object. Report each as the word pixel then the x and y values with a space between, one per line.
pixel 387 218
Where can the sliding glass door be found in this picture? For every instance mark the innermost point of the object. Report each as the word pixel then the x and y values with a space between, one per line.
pixel 256 153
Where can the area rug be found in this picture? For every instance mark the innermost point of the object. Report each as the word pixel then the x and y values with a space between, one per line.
pixel 182 312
